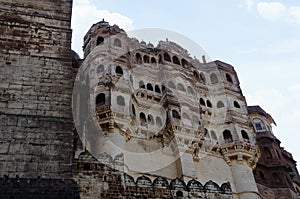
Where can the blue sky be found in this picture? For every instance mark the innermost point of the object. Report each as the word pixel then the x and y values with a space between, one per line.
pixel 261 39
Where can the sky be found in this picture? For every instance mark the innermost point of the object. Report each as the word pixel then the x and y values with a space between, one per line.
pixel 261 39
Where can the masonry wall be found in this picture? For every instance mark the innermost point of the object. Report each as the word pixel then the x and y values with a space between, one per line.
pixel 35 88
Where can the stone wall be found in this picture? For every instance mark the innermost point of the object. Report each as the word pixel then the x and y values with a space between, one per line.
pixel 35 88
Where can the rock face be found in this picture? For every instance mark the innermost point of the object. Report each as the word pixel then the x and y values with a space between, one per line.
pixel 36 130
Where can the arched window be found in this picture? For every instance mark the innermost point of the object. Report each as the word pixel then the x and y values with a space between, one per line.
pixel 133 109
pixel 268 153
pixel 213 135
pixel 146 59
pixel 117 42
pixel 196 75
pixel 180 87
pixel 175 114
pixel 276 178
pixel 138 58
pixel 184 63
pixel 120 100
pixel 179 194
pixel 100 99
pixel 158 121
pixel 153 60
pixel 202 102
pixel 159 59
pixel 100 68
pixel 245 135
pixel 258 124
pixel 171 85
pixel 157 89
pixel 202 77
pixel 208 103
pixel 141 84
pixel 236 104
pixel 227 136
pixel 214 78
pixel 86 167
pixel 167 57
pixel 100 41
pixel 150 119
pixel 149 87
pixel 176 60
pixel 119 70
pixel 220 104
pixel 142 118
pixel 229 78
pixel 195 120
pixel 261 175
pixel 206 134
pixel 163 88
pixel 190 90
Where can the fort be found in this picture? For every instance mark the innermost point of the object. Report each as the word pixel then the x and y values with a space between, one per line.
pixel 129 120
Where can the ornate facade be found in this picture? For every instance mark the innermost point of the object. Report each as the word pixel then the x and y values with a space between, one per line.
pixel 151 122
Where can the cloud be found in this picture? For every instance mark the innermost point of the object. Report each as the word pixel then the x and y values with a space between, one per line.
pixel 250 4
pixel 271 11
pixel 85 15
pixel 275 11
pixel 294 14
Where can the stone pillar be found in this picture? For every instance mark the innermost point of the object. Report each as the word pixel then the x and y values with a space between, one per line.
pixel 242 159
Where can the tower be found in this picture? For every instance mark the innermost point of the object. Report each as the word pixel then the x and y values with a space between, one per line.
pixel 276 173
pixel 35 91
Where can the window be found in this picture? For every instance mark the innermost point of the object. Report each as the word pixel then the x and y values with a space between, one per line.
pixel 245 135
pixel 180 87
pixel 120 100
pixel 196 75
pixel 214 78
pixel 202 77
pixel 227 136
pixel 146 59
pixel 119 70
pixel 176 60
pixel 202 102
pixel 179 194
pixel 117 42
pixel 220 104
pixel 171 85
pixel 142 118
pixel 208 103
pixel 276 178
pixel 213 135
pixel 141 84
pixel 100 41
pixel 268 153
pixel 185 63
pixel 158 121
pixel 261 175
pixel 236 104
pixel 190 90
pixel 138 58
pixel 133 109
pixel 100 99
pixel 100 68
pixel 150 119
pixel 229 78
pixel 258 124
pixel 175 114
pixel 167 57
pixel 157 89
pixel 149 87
pixel 86 167
pixel 153 60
